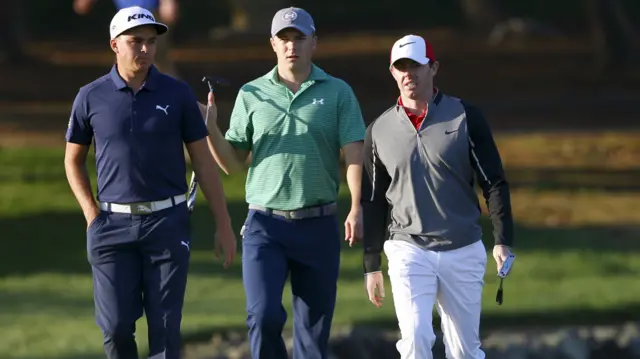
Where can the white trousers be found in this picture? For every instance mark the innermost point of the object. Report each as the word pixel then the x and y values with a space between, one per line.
pixel 453 281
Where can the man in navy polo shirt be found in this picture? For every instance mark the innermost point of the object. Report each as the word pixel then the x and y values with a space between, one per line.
pixel 138 233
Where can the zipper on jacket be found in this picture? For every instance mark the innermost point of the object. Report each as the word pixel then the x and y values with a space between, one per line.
pixel 421 150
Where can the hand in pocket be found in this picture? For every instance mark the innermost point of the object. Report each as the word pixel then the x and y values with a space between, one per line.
pixel 92 216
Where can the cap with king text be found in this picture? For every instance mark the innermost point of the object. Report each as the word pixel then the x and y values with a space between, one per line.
pixel 292 17
pixel 134 16
pixel 412 47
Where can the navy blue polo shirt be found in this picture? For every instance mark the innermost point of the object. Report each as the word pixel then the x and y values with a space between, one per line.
pixel 138 137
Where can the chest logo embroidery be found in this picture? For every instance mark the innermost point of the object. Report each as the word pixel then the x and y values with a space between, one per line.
pixel 158 107
pixel 318 101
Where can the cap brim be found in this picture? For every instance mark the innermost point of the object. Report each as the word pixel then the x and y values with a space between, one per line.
pixel 421 60
pixel 160 28
pixel 303 30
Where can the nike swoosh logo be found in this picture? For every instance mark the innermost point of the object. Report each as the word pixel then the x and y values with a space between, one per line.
pixel 447 132
pixel 403 45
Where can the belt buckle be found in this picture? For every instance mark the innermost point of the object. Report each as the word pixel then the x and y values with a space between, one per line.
pixel 141 208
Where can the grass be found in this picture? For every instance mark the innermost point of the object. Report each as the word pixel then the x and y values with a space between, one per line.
pixel 574 200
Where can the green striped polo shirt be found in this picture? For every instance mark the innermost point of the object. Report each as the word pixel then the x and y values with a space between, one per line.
pixel 294 139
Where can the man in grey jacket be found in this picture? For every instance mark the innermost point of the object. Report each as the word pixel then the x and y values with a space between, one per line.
pixel 421 156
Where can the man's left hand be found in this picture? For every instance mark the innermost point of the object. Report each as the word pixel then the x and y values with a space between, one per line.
pixel 500 254
pixel 353 227
pixel 225 243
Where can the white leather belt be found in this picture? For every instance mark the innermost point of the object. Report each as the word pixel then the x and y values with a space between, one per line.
pixel 143 207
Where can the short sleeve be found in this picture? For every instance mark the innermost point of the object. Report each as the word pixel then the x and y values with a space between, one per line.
pixel 240 131
pixel 192 124
pixel 79 130
pixel 351 124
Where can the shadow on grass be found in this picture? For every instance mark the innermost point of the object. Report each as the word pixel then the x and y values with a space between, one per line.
pixel 29 302
pixel 79 356
pixel 55 242
pixel 572 179
pixel 534 320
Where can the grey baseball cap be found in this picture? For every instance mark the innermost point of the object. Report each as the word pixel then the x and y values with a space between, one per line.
pixel 292 17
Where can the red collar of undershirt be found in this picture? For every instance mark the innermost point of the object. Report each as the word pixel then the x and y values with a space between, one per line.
pixel 424 112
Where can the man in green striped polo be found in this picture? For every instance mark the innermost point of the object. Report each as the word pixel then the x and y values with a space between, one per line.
pixel 294 121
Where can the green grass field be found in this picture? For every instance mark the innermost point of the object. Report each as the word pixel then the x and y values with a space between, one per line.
pixel 577 235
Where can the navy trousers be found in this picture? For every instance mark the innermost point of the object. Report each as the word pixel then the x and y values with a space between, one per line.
pixel 309 251
pixel 140 263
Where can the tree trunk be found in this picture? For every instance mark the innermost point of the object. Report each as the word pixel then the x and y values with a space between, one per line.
pixel 254 15
pixel 480 15
pixel 612 33
pixel 11 31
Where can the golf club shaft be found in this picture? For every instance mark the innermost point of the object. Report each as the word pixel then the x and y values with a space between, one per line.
pixel 193 187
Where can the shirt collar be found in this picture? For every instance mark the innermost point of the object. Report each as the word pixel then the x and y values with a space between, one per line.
pixel 317 74
pixel 149 84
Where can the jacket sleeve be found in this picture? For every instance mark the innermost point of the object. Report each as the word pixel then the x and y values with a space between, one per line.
pixel 375 207
pixel 487 164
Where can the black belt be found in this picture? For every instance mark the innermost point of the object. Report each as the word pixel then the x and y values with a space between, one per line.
pixel 308 212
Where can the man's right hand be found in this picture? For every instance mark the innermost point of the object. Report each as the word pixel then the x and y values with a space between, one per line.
pixel 230 159
pixel 374 282
pixel 212 111
pixel 91 215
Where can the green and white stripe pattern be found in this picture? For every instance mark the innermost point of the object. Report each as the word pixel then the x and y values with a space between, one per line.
pixel 295 139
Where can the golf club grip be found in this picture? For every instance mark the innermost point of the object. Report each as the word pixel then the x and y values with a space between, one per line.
pixel 193 187
pixel 193 190
pixel 206 112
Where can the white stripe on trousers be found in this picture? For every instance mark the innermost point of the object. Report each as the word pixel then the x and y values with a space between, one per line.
pixel 453 281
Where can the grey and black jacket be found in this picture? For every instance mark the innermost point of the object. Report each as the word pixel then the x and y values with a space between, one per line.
pixel 425 180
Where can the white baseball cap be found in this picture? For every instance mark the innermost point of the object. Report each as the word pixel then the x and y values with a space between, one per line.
pixel 134 16
pixel 412 47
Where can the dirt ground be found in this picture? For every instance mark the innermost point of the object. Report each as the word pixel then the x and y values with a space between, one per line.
pixel 543 84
